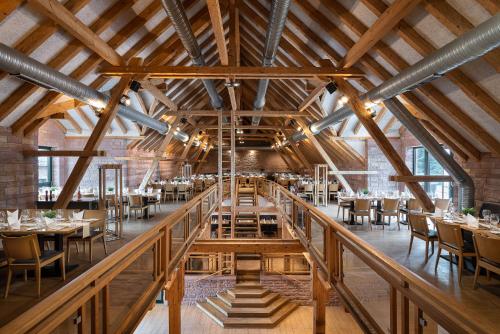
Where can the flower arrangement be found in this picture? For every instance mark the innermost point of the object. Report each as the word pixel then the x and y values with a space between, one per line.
pixel 470 211
pixel 50 214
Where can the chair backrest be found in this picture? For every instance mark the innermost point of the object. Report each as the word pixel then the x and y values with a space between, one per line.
pixel 450 234
pixel 487 247
pixel 308 187
pixel 96 214
pixel 442 204
pixel 21 248
pixel 135 200
pixel 169 188
pixel 362 204
pixel 390 204
pixel 418 224
pixel 333 187
pixel 414 205
pixel 182 187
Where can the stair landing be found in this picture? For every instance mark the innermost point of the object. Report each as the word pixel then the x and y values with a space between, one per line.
pixel 248 305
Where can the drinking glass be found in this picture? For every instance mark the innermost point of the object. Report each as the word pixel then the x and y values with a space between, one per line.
pixel 24 215
pixel 59 214
pixel 2 217
pixel 486 215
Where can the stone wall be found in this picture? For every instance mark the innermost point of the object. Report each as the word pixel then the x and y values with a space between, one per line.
pixel 379 163
pixel 18 175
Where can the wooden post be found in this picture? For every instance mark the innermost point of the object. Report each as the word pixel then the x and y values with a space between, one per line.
pixel 175 294
pixel 320 298
pixel 93 143
pixel 384 144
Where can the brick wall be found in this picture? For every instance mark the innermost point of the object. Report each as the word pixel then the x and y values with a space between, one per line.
pixel 18 175
pixel 248 161
pixel 379 163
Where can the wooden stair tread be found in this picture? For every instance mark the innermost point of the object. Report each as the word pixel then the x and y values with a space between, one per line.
pixel 248 302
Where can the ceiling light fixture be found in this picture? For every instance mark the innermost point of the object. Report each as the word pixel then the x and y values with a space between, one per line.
pixel 125 100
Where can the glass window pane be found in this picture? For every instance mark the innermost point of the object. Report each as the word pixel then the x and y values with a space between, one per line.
pixel 419 165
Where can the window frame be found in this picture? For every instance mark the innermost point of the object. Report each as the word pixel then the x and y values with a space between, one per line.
pixel 50 166
pixel 427 185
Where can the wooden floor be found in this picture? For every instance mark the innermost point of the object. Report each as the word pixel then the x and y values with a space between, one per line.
pixel 299 322
pixel 482 304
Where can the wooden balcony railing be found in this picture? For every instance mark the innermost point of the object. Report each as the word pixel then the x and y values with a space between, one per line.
pixel 328 244
pixel 86 301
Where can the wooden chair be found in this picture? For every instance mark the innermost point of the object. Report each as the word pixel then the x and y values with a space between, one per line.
pixel 23 253
pixel 413 207
pixel 333 189
pixel 136 203
pixel 97 231
pixel 420 229
pixel 362 209
pixel 198 185
pixel 450 239
pixel 390 208
pixel 154 199
pixel 183 190
pixel 344 205
pixel 169 190
pixel 442 204
pixel 309 191
pixel 488 255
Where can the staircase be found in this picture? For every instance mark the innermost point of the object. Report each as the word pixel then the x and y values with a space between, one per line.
pixel 248 305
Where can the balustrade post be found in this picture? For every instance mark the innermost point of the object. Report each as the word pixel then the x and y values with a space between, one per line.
pixel 393 312
pixel 105 309
pixel 418 321
pixel 82 319
pixel 95 325
pixel 320 298
pixel 405 312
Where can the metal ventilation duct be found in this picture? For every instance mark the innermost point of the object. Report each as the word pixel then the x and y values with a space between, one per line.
pixel 465 48
pixel 469 46
pixel 181 24
pixel 466 193
pixel 26 68
pixel 277 20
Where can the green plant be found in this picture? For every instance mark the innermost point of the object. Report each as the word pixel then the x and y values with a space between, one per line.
pixel 50 214
pixel 110 189
pixel 53 189
pixel 365 191
pixel 470 211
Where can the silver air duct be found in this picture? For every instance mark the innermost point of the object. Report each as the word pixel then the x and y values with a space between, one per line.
pixel 465 48
pixel 28 69
pixel 277 20
pixel 466 193
pixel 181 24
pixel 469 46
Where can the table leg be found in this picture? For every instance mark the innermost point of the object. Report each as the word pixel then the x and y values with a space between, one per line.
pixel 379 207
pixel 351 208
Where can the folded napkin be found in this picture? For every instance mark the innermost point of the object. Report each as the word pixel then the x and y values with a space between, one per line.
pixel 472 221
pixel 13 219
pixel 49 221
pixel 438 213
pixel 78 215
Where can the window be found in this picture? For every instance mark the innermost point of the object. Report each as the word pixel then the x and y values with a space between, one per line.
pixel 425 164
pixel 44 168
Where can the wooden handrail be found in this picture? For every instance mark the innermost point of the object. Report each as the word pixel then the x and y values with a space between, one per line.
pixel 442 309
pixel 81 289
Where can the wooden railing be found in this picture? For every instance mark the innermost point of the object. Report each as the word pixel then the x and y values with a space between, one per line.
pixel 328 244
pixel 167 244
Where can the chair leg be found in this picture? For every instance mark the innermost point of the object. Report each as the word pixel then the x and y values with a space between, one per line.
pixel 38 278
pixel 91 248
pixel 9 279
pixel 476 275
pixel 426 250
pixel 460 267
pixel 68 248
pixel 411 243
pixel 104 244
pixel 437 258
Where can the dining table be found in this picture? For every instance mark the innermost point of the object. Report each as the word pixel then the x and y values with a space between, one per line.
pixel 57 230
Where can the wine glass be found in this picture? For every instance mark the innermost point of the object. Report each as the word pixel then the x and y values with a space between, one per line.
pixel 494 219
pixel 486 215
pixel 3 216
pixel 24 215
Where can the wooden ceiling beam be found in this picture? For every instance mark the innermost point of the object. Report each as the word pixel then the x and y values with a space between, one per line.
pixel 220 72
pixel 158 94
pixel 62 58
pixel 492 6
pixel 384 144
pixel 92 144
pixel 378 30
pixel 63 153
pixel 76 28
pixel 424 47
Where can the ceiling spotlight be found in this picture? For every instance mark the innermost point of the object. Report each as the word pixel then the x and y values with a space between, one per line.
pixel 232 84
pixel 178 129
pixel 344 99
pixel 369 104
pixel 242 142
pixel 97 111
pixel 331 87
pixel 125 100
pixel 135 86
